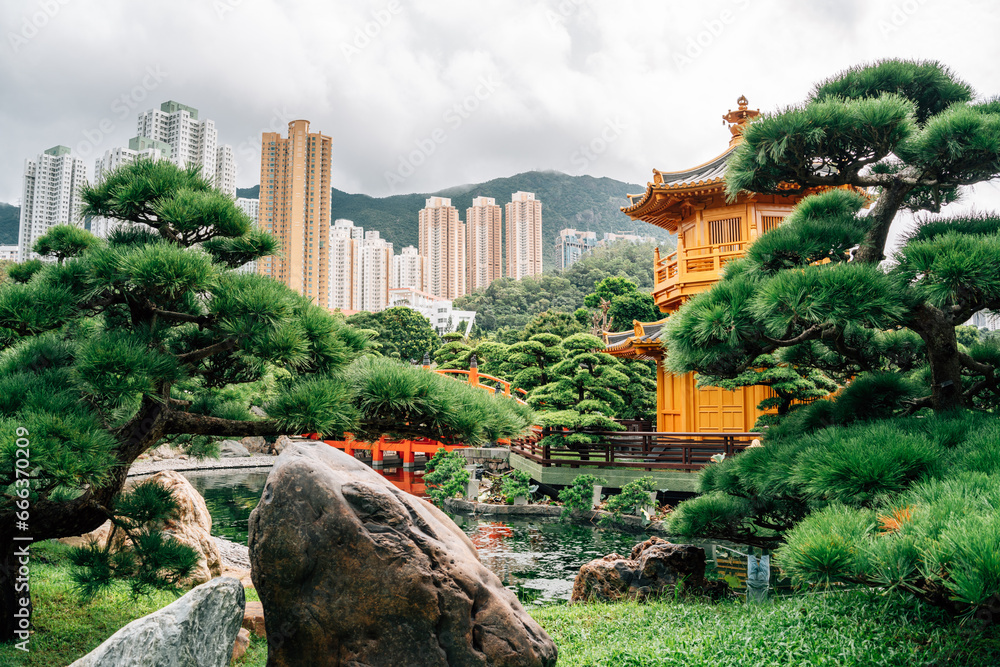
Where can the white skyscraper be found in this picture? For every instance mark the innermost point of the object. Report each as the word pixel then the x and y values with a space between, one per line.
pixel 225 170
pixel 408 269
pixel 345 273
pixel 193 141
pixel 138 148
pixel 252 208
pixel 375 255
pixel 50 196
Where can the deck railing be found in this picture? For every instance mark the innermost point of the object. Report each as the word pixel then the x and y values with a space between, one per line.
pixel 632 449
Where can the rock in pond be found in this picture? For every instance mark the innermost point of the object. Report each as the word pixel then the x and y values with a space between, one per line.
pixel 352 571
pixel 196 630
pixel 653 569
pixel 229 449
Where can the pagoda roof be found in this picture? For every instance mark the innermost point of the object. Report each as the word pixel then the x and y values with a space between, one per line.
pixel 641 341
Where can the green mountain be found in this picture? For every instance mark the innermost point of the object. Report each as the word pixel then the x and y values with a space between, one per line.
pixel 10 220
pixel 583 202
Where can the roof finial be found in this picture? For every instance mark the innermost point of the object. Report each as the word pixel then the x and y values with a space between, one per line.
pixel 738 119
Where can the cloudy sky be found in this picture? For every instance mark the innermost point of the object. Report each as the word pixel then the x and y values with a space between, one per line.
pixel 452 92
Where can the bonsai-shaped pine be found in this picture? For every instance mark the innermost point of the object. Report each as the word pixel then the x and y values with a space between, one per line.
pixel 517 483
pixel 908 135
pixel 528 364
pixel 583 395
pixel 579 496
pixel 618 302
pixel 136 339
pixel 445 476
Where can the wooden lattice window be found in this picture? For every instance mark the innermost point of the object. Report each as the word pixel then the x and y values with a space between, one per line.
pixel 769 222
pixel 727 232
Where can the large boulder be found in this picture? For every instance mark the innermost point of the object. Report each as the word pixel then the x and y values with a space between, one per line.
pixel 191 525
pixel 352 571
pixel 653 569
pixel 196 630
pixel 231 449
pixel 255 444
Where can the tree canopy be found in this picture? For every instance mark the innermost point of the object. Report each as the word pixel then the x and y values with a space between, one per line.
pixel 400 332
pixel 897 135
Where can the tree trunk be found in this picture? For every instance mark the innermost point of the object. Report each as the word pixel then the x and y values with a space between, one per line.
pixel 52 519
pixel 880 219
pixel 938 333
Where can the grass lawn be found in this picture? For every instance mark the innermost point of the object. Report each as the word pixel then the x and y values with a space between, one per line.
pixel 840 629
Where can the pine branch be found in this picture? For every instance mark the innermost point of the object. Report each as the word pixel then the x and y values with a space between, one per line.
pixel 205 352
pixel 197 424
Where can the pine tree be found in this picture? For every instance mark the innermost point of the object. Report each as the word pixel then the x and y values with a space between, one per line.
pixel 898 136
pixel 122 343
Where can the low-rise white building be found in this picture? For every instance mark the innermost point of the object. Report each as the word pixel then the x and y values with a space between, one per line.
pixel 440 311
pixel 9 253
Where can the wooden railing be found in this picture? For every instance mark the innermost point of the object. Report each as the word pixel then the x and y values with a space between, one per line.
pixel 697 259
pixel 625 449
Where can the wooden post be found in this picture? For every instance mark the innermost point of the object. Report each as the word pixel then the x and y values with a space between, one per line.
pixel 409 458
pixel 377 452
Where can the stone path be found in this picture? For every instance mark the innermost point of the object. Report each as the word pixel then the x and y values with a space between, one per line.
pixel 147 467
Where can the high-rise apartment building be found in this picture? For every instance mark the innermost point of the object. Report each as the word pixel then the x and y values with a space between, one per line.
pixel 295 208
pixel 375 260
pixel 571 245
pixel 50 195
pixel 192 141
pixel 252 208
pixel 408 269
pixel 345 270
pixel 225 169
pixel 483 224
pixel 524 235
pixel 442 242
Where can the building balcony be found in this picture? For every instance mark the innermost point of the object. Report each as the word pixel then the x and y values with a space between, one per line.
pixel 687 271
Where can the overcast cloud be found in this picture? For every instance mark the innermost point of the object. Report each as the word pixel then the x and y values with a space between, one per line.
pixel 423 96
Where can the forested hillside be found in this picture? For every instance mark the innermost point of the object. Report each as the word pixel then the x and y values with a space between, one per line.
pixel 583 202
pixel 10 216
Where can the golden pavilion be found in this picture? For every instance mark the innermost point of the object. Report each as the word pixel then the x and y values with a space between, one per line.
pixel 711 231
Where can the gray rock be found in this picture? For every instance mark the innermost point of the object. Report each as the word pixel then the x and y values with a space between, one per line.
pixel 197 630
pixel 256 444
pixel 258 411
pixel 231 449
pixel 352 571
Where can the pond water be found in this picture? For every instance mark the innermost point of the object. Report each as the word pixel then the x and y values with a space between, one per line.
pixel 537 558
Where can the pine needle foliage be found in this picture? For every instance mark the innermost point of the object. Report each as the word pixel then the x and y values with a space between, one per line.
pixel 895 135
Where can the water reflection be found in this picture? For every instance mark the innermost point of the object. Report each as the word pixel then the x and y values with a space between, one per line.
pixel 536 558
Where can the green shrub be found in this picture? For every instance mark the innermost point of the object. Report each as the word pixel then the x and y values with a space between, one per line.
pixel 825 548
pixel 874 396
pixel 856 466
pixel 579 496
pixel 517 483
pixel 445 476
pixel 634 497
pixel 714 513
